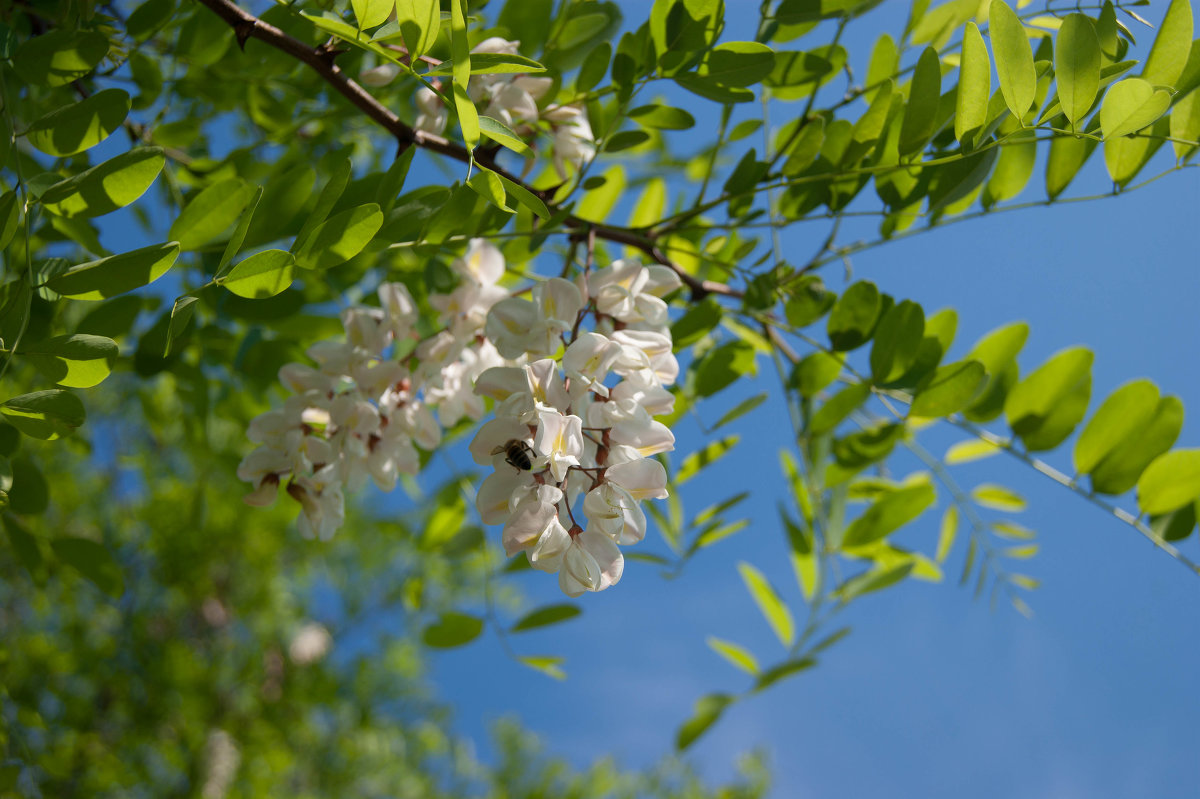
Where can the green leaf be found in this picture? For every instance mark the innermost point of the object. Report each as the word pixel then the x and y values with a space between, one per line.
pixel 545 616
pixel 262 275
pixel 393 181
pixel 997 351
pixel 854 315
pixel 550 665
pixel 889 514
pixel 487 185
pixel 875 580
pixel 769 604
pixel 60 56
pixel 1185 124
pixel 662 117
pixel 625 140
pixel 783 670
pixel 696 322
pixel 738 656
pixel 1176 525
pixel 10 217
pixel 1067 156
pixel 419 21
pixel 525 197
pixel 1120 469
pixel 997 497
pixel 711 89
pixel 1012 531
pixel 974 85
pixel 897 341
pixel 1171 481
pixel 181 317
pixel 1013 168
pixel 739 63
pixel 814 373
pixel 341 237
pixel 285 194
pixel 741 409
pixel 1126 411
pixel 1014 58
pixel 117 274
pixel 500 133
pixel 25 545
pixel 44 414
pixel 947 532
pixel 1077 66
pixel 210 213
pixel 492 63
pixel 721 366
pixel 971 450
pixel 371 13
pixel 452 629
pixel 78 361
pixel 921 111
pixel 1045 407
pixel 28 491
pixel 80 126
pixel 239 233
pixel 839 406
pixel 808 301
pixel 951 388
pixel 1130 105
pixel 592 70
pixel 708 709
pixel 598 202
pixel 1169 53
pixel 711 453
pixel 93 561
pixel 107 186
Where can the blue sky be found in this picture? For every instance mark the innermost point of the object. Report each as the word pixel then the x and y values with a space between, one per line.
pixel 934 694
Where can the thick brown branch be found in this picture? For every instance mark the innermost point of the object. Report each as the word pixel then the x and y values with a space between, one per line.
pixel 247 26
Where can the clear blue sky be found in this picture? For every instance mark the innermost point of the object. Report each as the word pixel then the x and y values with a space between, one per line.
pixel 933 694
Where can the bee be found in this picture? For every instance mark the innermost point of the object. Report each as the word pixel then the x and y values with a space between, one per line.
pixel 517 454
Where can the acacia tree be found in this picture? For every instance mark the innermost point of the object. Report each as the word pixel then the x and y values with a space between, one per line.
pixel 579 276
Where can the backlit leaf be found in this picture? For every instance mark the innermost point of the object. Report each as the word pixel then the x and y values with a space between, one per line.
pixel 1171 481
pixel 1077 66
pixel 117 274
pixel 1014 58
pixel 78 361
pixel 738 656
pixel 262 275
pixel 769 604
pixel 106 187
pixel 80 126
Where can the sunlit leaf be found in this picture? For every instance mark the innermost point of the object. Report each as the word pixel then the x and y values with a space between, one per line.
pixel 78 361
pixel 80 126
pixel 1171 481
pixel 772 607
pixel 738 656
pixel 1014 58
pixel 997 497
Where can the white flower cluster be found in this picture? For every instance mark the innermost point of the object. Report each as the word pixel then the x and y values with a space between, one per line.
pixel 510 98
pixel 361 412
pixel 561 431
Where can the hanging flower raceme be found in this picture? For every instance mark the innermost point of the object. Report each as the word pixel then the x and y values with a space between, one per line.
pixel 576 420
pixel 361 413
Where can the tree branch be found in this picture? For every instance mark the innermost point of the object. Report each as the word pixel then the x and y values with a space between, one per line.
pixel 247 26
